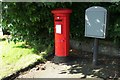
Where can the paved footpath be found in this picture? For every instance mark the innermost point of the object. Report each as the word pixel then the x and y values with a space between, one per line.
pixel 51 70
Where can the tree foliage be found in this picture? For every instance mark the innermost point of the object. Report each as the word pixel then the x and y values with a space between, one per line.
pixel 33 22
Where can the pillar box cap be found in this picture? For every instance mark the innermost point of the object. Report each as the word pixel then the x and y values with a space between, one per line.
pixel 61 11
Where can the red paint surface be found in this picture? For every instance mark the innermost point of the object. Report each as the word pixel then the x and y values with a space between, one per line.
pixel 62 40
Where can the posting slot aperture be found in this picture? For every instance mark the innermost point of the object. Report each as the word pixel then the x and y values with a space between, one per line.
pixel 58 20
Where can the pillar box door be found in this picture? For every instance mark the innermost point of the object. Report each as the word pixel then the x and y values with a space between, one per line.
pixel 61 31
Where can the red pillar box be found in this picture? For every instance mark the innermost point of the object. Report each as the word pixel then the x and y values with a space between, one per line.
pixel 61 30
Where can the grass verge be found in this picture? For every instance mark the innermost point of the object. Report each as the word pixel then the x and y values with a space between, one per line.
pixel 14 57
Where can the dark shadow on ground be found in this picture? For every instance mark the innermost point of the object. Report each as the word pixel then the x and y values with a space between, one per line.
pixel 108 66
pixel 22 46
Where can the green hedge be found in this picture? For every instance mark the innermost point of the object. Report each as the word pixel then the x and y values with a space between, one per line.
pixel 33 22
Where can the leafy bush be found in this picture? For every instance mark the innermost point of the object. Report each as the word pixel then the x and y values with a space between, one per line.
pixel 33 22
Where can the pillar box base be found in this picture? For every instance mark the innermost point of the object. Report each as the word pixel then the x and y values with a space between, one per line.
pixel 58 59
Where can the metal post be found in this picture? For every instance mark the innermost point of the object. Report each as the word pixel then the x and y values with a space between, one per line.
pixel 95 52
